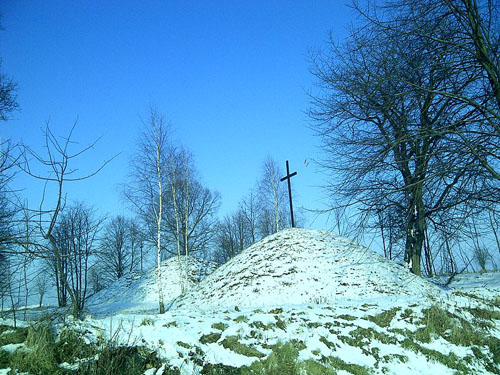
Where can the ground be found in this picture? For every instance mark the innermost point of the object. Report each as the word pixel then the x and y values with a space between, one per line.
pixel 385 321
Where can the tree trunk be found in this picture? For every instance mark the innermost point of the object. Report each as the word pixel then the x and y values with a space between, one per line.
pixel 158 227
pixel 415 231
pixel 186 223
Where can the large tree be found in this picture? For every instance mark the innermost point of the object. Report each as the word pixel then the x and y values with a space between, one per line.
pixel 390 138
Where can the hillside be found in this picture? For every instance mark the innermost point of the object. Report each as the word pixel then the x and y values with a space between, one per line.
pixel 300 266
pixel 300 302
pixel 139 293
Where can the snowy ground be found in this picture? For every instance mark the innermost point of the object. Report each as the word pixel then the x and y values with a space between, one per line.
pixel 139 294
pixel 340 304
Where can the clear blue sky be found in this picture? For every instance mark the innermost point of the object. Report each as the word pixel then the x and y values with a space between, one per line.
pixel 231 76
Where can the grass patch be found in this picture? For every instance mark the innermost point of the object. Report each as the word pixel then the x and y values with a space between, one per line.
pixel 496 302
pixel 130 360
pixel 147 322
pixel 280 323
pixel 170 324
pixel 13 335
pixel 241 319
pixel 72 346
pixel 220 369
pixel 408 313
pixel 278 310
pixel 259 325
pixel 183 345
pixel 210 338
pixel 485 314
pixel 328 344
pixel 220 326
pixel 339 364
pixel 39 358
pixel 232 343
pixel 451 360
pixel 282 361
pixel 384 319
pixel 347 317
pixel 4 328
pixel 4 359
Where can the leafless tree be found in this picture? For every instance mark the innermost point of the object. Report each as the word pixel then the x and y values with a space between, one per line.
pixel 8 99
pixel 42 285
pixel 390 142
pixel 272 198
pixel 55 167
pixel 114 253
pixel 96 281
pixel 249 208
pixel 119 249
pixel 76 235
pixel 233 236
pixel 146 189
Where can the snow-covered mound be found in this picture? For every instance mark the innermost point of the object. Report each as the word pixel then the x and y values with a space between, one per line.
pixel 298 266
pixel 483 284
pixel 136 293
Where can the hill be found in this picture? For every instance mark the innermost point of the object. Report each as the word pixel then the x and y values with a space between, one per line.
pixel 300 302
pixel 300 266
pixel 139 293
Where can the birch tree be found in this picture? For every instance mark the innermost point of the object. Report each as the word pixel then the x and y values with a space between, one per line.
pixel 148 185
pixel 272 197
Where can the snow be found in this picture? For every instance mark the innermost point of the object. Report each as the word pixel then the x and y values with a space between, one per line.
pixel 300 266
pixel 298 284
pixel 139 293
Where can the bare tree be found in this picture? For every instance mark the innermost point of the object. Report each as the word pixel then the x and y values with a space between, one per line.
pixel 114 254
pixel 148 179
pixel 42 285
pixel 76 235
pixel 389 141
pixel 58 171
pixel 120 242
pixel 233 236
pixel 471 41
pixel 194 205
pixel 8 99
pixel 249 207
pixel 272 197
pixel 96 281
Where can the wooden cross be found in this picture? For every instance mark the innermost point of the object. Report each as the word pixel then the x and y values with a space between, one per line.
pixel 287 177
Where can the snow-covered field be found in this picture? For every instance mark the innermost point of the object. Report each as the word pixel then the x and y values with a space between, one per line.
pixel 340 305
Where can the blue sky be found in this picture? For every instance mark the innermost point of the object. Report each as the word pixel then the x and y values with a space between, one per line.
pixel 231 76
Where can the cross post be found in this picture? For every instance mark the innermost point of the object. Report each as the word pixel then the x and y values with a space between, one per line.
pixel 287 177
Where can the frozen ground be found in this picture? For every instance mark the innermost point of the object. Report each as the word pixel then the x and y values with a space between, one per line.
pixel 339 304
pixel 139 293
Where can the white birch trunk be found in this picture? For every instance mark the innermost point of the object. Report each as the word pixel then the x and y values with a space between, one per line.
pixel 158 227
pixel 186 220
